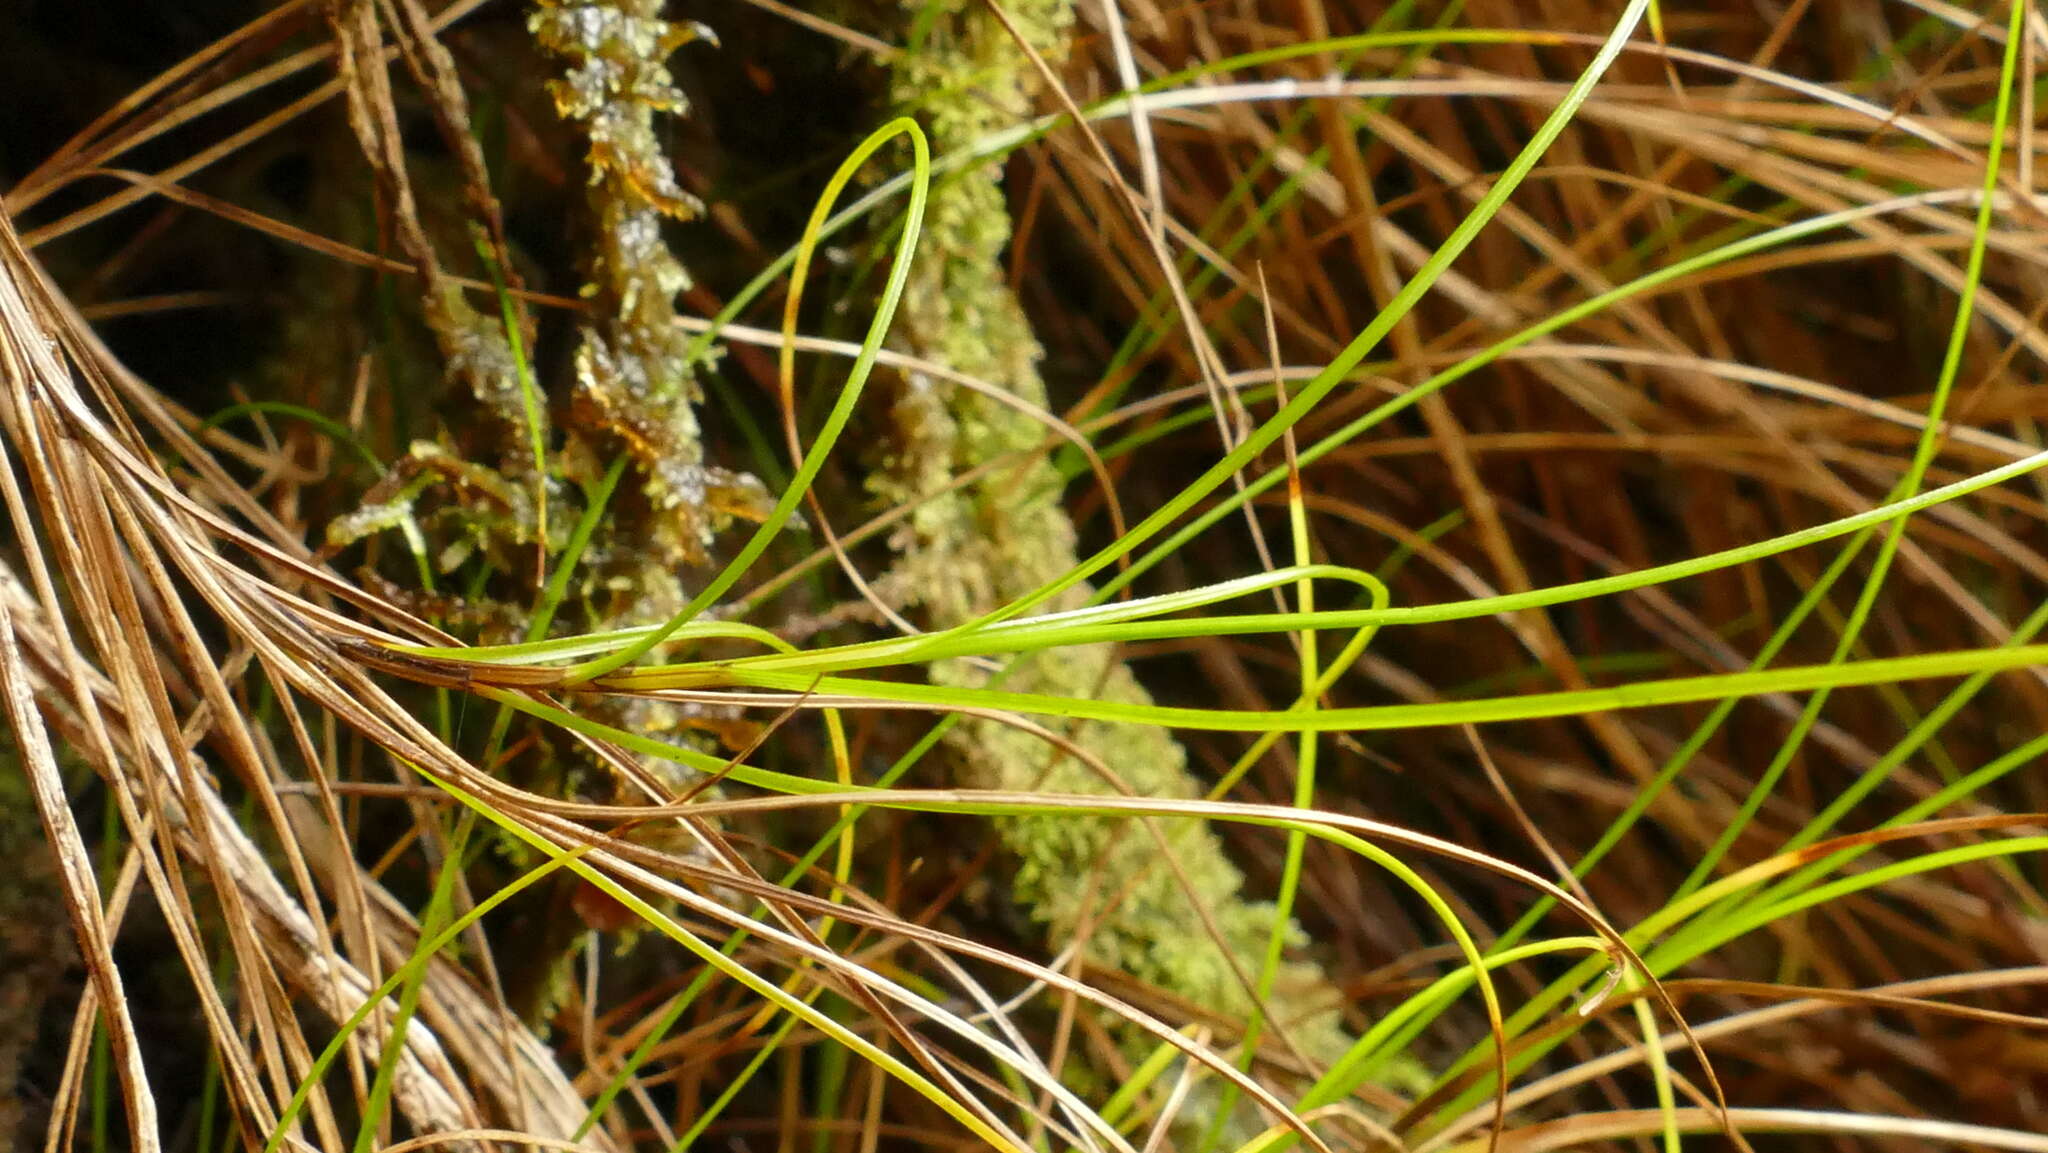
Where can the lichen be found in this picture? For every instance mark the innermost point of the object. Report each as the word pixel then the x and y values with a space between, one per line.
pixel 966 552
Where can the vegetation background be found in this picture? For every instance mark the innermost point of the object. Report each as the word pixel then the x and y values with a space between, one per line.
pixel 1054 574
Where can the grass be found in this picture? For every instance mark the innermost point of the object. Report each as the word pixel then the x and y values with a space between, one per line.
pixel 1662 376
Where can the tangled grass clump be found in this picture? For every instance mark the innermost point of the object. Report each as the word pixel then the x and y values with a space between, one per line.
pixel 1406 579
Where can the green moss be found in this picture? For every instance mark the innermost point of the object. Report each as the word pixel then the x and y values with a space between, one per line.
pixel 634 394
pixel 966 552
pixel 635 384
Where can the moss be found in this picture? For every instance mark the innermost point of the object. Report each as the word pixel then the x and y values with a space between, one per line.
pixel 634 393
pixel 636 388
pixel 634 379
pixel 1006 536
